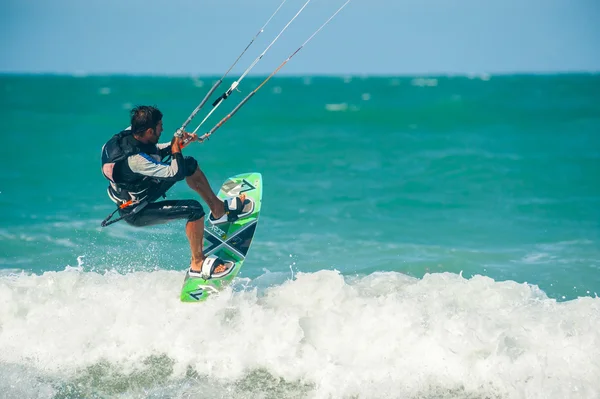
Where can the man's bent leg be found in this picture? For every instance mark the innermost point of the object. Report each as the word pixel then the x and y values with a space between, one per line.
pixel 198 182
pixel 166 211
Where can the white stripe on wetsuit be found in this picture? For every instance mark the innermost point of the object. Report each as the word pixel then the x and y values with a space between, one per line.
pixel 151 165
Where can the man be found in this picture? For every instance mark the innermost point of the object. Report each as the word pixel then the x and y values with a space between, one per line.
pixel 133 163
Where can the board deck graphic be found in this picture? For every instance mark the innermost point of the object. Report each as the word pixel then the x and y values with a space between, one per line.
pixel 228 241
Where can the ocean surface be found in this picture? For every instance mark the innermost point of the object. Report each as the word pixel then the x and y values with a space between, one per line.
pixel 421 237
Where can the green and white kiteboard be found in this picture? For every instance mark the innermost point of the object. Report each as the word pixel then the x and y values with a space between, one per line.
pixel 228 241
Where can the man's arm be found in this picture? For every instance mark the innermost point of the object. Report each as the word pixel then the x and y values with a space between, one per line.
pixel 146 165
pixel 164 149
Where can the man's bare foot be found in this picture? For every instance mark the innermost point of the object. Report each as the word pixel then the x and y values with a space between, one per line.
pixel 196 265
pixel 220 211
pixel 220 269
pixel 221 208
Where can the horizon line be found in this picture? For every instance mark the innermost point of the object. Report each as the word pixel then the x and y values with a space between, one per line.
pixel 83 74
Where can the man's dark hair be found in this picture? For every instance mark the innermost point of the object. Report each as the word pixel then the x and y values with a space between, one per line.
pixel 144 117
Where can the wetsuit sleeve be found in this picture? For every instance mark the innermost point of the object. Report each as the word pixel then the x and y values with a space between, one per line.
pixel 146 165
pixel 164 149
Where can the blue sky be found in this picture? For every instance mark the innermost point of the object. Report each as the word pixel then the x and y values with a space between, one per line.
pixel 390 37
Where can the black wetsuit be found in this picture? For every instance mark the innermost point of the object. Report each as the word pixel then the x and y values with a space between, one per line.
pixel 137 173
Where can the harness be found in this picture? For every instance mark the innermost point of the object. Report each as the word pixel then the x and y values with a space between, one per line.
pixel 139 207
pixel 115 151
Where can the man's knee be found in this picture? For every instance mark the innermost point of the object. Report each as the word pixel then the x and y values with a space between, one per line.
pixel 196 211
pixel 190 165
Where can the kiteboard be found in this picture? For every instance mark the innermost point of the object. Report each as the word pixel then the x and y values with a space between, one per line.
pixel 230 241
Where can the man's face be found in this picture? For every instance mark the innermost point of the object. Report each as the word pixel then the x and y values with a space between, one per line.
pixel 153 135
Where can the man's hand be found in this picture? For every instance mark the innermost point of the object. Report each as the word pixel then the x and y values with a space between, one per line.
pixel 182 140
pixel 176 144
pixel 189 138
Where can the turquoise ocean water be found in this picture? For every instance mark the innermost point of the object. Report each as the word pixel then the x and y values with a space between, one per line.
pixel 421 237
